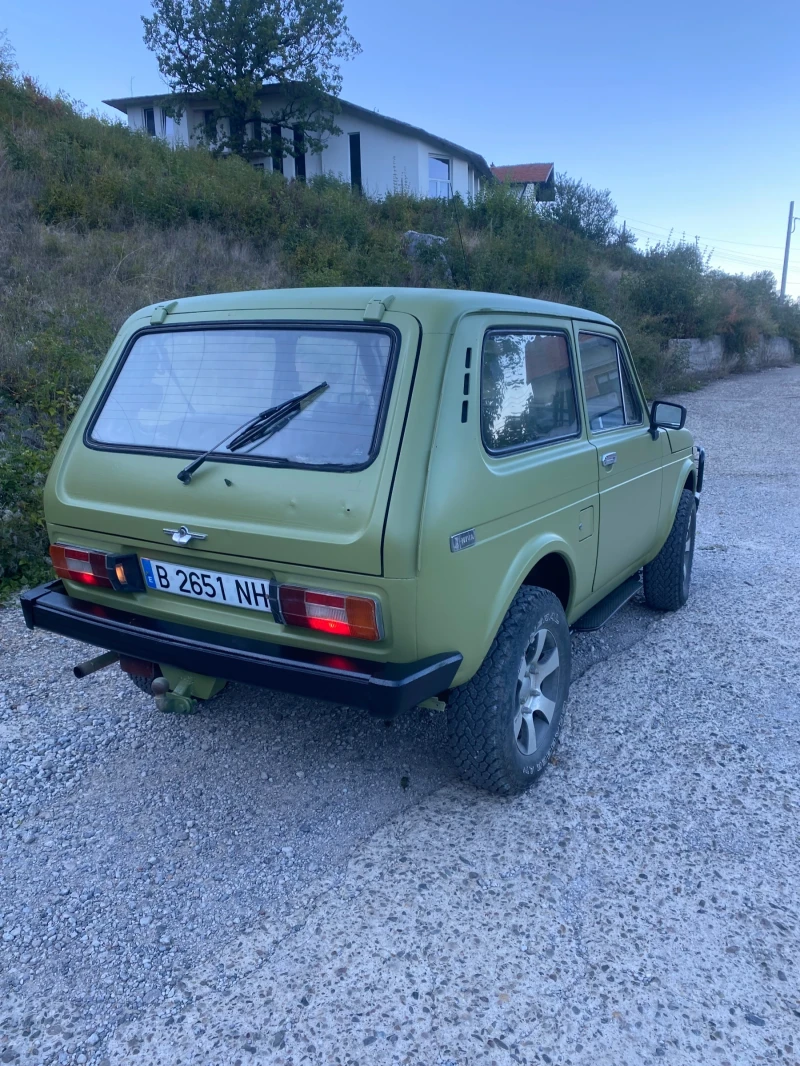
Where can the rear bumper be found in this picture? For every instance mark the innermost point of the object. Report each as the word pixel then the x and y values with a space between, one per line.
pixel 385 689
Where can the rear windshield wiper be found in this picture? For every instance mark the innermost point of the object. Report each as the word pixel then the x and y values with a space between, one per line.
pixel 265 424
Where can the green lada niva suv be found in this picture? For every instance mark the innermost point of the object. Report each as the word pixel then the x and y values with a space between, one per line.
pixel 380 497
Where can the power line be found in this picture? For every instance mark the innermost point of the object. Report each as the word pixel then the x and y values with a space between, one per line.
pixel 733 256
pixel 716 240
pixel 650 235
pixel 740 259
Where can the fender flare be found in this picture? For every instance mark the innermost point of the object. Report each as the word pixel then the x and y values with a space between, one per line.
pixel 687 468
pixel 529 554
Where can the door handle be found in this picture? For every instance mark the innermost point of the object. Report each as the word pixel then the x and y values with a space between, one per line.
pixel 609 459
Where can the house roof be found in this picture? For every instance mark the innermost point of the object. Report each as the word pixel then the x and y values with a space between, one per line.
pixel 524 173
pixel 396 125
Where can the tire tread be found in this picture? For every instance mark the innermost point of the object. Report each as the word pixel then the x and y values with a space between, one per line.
pixel 471 710
pixel 663 577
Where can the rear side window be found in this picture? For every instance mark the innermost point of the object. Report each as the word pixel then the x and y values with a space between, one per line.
pixel 611 399
pixel 527 390
pixel 181 391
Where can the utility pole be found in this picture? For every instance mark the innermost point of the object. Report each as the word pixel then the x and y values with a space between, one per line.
pixel 789 232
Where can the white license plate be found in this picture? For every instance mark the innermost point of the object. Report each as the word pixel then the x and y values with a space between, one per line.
pixel 209 585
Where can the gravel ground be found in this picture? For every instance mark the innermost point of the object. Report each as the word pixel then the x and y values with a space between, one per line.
pixel 281 881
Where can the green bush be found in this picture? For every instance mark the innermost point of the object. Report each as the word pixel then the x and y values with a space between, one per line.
pixel 45 390
pixel 98 221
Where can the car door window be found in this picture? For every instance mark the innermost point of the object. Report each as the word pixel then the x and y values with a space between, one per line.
pixel 527 390
pixel 611 399
pixel 633 408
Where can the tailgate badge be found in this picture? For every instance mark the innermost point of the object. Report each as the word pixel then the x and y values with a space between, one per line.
pixel 182 535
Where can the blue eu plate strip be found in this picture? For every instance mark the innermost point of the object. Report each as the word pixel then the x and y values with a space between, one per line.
pixel 148 573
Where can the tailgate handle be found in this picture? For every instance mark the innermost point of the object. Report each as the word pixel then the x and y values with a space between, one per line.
pixel 182 535
pixel 609 459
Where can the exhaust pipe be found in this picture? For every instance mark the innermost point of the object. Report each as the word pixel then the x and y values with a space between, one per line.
pixel 91 666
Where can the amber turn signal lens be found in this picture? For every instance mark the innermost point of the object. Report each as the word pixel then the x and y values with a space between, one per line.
pixel 330 612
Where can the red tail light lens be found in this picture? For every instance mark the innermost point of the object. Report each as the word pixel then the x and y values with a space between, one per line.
pixel 80 564
pixel 330 612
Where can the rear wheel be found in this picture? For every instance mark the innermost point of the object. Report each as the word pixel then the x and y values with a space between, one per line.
pixel 668 578
pixel 505 721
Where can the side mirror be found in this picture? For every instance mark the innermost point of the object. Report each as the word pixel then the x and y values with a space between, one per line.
pixel 664 415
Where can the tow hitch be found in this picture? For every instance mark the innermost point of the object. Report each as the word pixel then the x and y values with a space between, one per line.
pixel 178 691
pixel 178 700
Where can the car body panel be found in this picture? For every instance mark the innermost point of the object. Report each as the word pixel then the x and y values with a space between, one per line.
pixel 630 488
pixel 303 516
pixel 384 531
pixel 521 505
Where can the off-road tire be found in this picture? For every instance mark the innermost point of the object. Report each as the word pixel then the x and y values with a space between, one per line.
pixel 481 713
pixel 668 578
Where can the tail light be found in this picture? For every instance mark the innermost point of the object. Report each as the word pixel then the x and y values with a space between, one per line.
pixel 330 612
pixel 90 567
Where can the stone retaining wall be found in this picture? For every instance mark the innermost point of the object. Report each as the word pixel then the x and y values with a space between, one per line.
pixel 709 357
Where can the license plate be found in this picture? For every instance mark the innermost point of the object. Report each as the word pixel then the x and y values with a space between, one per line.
pixel 209 585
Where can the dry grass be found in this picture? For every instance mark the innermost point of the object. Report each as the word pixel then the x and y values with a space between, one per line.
pixel 64 292
pixel 49 272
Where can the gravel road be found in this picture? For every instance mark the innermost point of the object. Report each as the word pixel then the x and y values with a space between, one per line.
pixel 280 881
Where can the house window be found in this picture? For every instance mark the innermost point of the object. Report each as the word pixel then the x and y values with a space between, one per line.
pixel 355 160
pixel 257 134
pixel 277 149
pixel 209 129
pixel 167 125
pixel 149 120
pixel 258 166
pixel 439 183
pixel 299 154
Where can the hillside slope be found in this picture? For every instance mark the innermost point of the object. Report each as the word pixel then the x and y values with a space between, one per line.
pixel 97 221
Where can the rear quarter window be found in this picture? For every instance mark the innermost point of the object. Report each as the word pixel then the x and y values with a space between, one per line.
pixel 181 390
pixel 527 390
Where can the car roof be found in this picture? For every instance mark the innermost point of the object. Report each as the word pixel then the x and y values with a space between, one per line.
pixel 437 305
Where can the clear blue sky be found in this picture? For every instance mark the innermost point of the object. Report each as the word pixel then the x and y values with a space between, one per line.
pixel 686 110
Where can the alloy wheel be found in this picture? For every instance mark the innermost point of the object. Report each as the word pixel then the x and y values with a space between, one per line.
pixel 536 689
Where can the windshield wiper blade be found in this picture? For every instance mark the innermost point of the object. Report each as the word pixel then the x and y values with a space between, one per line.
pixel 264 419
pixel 270 422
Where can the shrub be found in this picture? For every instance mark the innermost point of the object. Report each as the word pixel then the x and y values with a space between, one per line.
pixel 98 221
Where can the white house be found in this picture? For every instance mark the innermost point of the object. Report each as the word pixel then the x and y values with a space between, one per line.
pixel 374 153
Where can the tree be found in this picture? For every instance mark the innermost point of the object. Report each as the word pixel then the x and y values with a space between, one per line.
pixel 587 211
pixel 229 50
pixel 7 62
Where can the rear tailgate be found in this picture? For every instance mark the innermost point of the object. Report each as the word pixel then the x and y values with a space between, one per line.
pixel 295 514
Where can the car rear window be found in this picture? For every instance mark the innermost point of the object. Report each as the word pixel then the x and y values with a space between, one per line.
pixel 182 390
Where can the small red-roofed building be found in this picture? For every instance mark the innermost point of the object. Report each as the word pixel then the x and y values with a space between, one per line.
pixel 535 181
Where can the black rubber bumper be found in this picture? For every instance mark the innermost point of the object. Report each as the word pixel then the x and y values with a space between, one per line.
pixel 385 689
